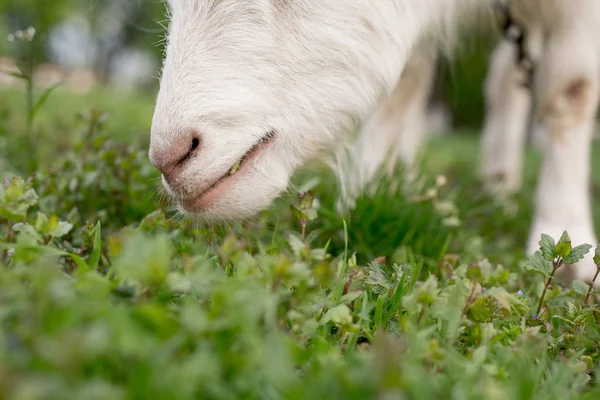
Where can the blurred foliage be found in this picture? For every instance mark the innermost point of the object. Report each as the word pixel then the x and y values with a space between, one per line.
pixel 19 14
pixel 143 28
pixel 41 14
pixel 464 77
pixel 261 311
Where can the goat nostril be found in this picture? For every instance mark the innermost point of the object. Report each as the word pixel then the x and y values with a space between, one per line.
pixel 170 159
pixel 195 144
pixel 190 153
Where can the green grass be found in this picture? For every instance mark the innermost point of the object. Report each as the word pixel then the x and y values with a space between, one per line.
pixel 130 114
pixel 104 295
pixel 59 123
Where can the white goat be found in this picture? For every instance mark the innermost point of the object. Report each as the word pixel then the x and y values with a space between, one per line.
pixel 563 40
pixel 251 90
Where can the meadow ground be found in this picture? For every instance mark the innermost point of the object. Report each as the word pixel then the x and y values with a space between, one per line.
pixel 423 291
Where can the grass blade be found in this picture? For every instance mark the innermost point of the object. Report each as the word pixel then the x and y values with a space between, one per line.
pixel 41 101
pixel 95 257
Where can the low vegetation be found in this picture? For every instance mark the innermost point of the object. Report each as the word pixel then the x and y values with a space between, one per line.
pixel 423 291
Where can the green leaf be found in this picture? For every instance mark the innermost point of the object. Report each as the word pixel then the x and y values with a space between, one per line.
pixel 16 197
pixel 310 185
pixel 563 247
pixel 564 238
pixel 29 232
pixel 426 292
pixel 30 198
pixel 539 264
pixel 311 214
pixel 295 243
pixel 24 246
pixel 339 315
pixel 78 260
pixel 307 200
pixel 18 75
pixel 61 229
pixel 51 226
pixel 56 228
pixel 563 319
pixel 578 253
pixel 580 287
pixel 474 274
pixel 10 214
pixel 144 258
pixel 41 101
pixel 509 303
pixel 597 255
pixel 481 310
pixel 41 221
pixel 348 298
pixel 298 212
pixel 547 247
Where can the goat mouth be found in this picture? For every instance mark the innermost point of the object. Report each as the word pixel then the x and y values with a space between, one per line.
pixel 219 186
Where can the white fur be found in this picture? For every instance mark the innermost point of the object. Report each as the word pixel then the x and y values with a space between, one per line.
pixel 506 121
pixel 313 71
pixel 394 133
pixel 310 70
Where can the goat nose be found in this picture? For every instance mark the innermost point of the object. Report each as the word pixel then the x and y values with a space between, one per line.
pixel 167 158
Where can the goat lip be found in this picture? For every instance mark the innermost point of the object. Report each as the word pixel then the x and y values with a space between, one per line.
pixel 208 196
